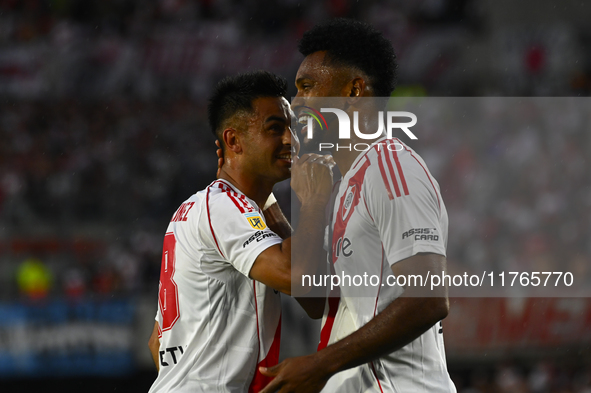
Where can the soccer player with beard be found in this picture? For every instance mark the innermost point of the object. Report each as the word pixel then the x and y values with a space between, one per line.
pixel 388 219
pixel 219 314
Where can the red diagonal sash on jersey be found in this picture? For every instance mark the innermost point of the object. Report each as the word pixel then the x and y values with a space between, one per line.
pixel 335 293
pixel 333 307
pixel 345 211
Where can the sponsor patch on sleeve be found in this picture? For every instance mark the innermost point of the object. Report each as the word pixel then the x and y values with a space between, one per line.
pixel 258 236
pixel 255 220
pixel 421 234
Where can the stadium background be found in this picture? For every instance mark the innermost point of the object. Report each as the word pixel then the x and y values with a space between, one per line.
pixel 103 133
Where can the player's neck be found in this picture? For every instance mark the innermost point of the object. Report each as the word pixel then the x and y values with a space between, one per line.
pixel 344 159
pixel 256 189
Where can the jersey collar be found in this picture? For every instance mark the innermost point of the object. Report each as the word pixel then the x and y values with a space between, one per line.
pixel 232 186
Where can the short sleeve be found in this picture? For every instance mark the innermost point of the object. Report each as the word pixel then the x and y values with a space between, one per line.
pixel 239 230
pixel 409 222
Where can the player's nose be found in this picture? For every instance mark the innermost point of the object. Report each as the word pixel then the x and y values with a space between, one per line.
pixel 286 138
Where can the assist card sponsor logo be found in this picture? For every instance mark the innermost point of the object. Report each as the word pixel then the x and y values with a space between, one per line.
pixel 258 236
pixel 422 234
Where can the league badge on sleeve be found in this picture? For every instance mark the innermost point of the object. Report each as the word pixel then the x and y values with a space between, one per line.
pixel 255 220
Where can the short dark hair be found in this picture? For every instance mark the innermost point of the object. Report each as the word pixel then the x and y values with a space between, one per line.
pixel 236 93
pixel 358 44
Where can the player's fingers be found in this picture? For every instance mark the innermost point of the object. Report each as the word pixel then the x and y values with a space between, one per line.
pixel 310 160
pixel 220 163
pixel 306 158
pixel 315 157
pixel 270 371
pixel 218 151
pixel 328 158
pixel 328 161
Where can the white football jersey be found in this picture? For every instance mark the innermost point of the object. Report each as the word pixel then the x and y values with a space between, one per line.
pixel 388 208
pixel 217 324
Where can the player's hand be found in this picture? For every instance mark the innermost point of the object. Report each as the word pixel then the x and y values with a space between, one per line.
pixel 311 177
pixel 220 158
pixel 303 374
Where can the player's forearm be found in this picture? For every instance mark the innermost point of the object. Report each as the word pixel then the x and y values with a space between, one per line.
pixel 282 269
pixel 155 358
pixel 307 244
pixel 315 301
pixel 154 345
pixel 276 220
pixel 400 323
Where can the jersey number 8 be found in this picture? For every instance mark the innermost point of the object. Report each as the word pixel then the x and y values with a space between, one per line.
pixel 168 299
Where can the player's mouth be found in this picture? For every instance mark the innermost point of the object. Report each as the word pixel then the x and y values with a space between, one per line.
pixel 303 119
pixel 285 157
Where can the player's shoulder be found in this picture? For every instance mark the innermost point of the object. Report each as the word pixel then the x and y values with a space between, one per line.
pixel 396 169
pixel 201 200
pixel 392 153
pixel 189 208
pixel 224 197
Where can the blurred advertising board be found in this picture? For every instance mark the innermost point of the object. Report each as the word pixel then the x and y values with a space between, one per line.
pixel 516 326
pixel 61 338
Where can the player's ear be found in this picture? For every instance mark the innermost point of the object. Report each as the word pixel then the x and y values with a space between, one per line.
pixel 355 90
pixel 232 140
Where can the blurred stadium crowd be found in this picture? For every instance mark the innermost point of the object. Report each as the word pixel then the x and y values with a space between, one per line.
pixel 104 134
pixel 90 188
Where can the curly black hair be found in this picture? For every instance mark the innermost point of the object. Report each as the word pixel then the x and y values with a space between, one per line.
pixel 236 93
pixel 358 44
